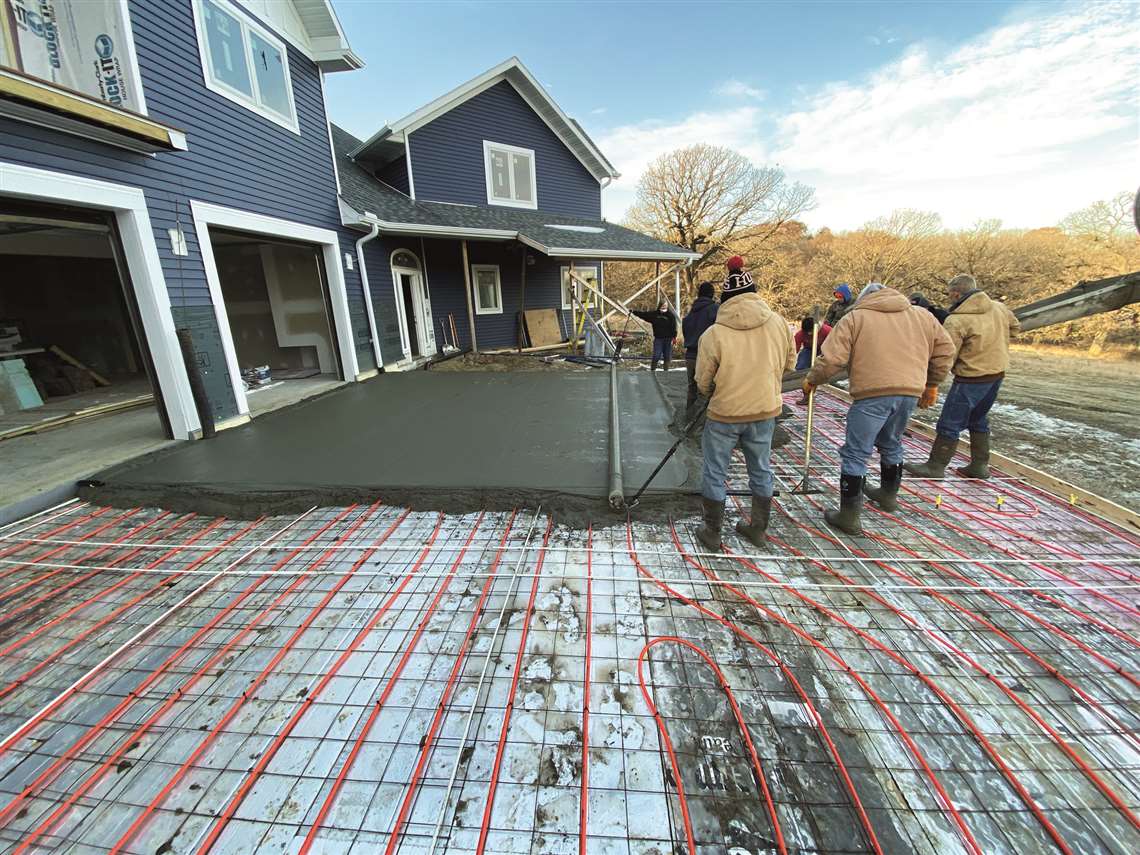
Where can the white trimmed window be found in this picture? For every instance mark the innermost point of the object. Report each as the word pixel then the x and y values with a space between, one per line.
pixel 244 62
pixel 510 175
pixel 488 289
pixel 586 274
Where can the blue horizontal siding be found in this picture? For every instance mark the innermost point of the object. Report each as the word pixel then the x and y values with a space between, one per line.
pixel 395 174
pixel 237 159
pixel 447 155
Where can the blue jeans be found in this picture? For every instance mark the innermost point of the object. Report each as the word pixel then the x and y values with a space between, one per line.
pixel 663 350
pixel 967 406
pixel 803 360
pixel 717 444
pixel 875 423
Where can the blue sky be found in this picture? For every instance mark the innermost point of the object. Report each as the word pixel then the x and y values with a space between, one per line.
pixel 1019 111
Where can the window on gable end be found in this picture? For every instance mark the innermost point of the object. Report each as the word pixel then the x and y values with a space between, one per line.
pixel 510 175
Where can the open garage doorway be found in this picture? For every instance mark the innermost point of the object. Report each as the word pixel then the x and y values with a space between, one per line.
pixel 77 385
pixel 277 305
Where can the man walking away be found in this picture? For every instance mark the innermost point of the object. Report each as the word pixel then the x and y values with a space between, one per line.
pixel 664 325
pixel 980 329
pixel 740 365
pixel 894 352
pixel 701 316
pixel 841 306
pixel 803 341
pixel 919 299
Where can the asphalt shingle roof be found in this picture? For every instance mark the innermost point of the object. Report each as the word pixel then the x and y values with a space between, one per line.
pixel 364 192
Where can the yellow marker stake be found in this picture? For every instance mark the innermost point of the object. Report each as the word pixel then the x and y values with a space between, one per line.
pixel 1072 498
pixel 938 501
pixel 1000 501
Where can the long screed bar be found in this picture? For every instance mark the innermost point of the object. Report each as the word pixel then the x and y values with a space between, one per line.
pixel 617 487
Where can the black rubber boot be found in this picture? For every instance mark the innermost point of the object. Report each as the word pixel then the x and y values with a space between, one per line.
pixel 780 437
pixel 979 466
pixel 709 533
pixel 940 454
pixel 886 494
pixel 756 532
pixel 850 505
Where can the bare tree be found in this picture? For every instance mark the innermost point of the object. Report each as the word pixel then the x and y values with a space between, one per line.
pixel 707 199
pixel 1104 221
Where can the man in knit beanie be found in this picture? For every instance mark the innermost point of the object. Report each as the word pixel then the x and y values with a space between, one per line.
pixel 740 366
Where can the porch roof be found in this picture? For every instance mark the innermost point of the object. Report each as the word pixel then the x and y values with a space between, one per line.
pixel 367 201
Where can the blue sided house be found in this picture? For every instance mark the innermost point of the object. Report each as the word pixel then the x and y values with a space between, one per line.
pixel 166 170
pixel 480 220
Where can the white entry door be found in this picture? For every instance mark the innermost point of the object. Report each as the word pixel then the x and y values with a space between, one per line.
pixel 413 306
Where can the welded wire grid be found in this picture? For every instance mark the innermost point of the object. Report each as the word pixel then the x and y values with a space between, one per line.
pixel 963 678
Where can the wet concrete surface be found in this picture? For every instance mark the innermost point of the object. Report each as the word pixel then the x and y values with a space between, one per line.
pixel 448 441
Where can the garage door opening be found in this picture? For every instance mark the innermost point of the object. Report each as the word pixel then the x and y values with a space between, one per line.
pixel 76 380
pixel 277 304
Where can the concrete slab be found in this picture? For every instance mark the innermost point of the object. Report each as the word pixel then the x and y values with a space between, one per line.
pixel 485 432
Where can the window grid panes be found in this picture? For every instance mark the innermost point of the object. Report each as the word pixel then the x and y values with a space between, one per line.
pixel 245 64
pixel 488 294
pixel 510 175
pixel 587 274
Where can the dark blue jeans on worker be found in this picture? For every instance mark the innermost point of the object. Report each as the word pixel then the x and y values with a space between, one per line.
pixel 803 360
pixel 663 350
pixel 717 444
pixel 875 423
pixel 967 406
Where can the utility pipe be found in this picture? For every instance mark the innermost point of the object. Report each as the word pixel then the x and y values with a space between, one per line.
pixel 617 487
pixel 368 293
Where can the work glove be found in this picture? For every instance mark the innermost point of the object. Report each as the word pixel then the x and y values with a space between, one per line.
pixel 929 397
pixel 809 387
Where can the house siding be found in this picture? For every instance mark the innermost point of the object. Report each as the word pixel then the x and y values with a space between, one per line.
pixel 447 155
pixel 237 159
pixel 443 260
pixel 395 174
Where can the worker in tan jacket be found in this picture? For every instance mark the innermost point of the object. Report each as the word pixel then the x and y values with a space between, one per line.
pixel 895 354
pixel 980 329
pixel 741 361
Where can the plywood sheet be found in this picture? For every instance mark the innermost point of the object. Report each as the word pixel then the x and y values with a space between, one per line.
pixel 542 327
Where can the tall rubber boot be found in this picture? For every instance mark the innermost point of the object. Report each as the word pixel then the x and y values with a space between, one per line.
pixel 780 437
pixel 940 454
pixel 850 505
pixel 709 533
pixel 886 494
pixel 979 466
pixel 756 532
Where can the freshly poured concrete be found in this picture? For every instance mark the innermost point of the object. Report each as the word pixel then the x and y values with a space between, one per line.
pixel 441 435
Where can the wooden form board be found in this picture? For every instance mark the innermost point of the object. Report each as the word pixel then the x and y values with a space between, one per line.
pixel 542 327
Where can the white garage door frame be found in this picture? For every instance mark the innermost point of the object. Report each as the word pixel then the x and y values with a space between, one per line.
pixel 128 204
pixel 206 214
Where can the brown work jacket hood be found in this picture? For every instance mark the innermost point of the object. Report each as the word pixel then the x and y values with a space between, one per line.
pixel 980 329
pixel 741 360
pixel 888 346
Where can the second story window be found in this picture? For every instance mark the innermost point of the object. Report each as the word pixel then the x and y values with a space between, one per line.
pixel 244 62
pixel 510 175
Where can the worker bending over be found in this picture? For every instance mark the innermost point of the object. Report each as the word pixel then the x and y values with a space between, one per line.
pixel 894 353
pixel 740 365
pixel 980 329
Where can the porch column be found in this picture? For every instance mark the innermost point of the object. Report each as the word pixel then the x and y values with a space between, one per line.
pixel 522 302
pixel 470 304
pixel 677 291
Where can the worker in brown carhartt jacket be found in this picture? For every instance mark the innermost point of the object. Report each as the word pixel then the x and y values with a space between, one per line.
pixel 741 361
pixel 980 329
pixel 894 353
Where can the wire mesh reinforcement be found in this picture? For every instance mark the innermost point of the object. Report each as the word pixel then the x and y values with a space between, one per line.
pixel 964 678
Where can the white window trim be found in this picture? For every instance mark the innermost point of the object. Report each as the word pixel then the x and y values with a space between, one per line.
pixel 479 268
pixel 228 92
pixel 513 149
pixel 205 215
pixel 146 278
pixel 564 271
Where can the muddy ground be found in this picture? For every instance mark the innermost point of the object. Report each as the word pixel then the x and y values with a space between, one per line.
pixel 1075 417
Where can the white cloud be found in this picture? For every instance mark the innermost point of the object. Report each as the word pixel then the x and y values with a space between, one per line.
pixel 738 89
pixel 597 111
pixel 631 148
pixel 1026 122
